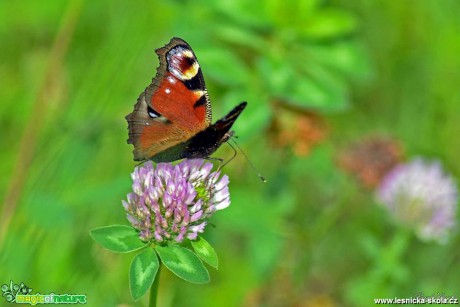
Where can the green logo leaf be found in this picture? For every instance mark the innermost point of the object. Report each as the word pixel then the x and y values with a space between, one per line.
pixel 142 272
pixel 184 263
pixel 118 238
pixel 205 251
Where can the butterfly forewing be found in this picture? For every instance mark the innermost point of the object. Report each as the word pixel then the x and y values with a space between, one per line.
pixel 173 109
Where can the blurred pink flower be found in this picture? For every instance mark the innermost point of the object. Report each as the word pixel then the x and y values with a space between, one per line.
pixel 421 196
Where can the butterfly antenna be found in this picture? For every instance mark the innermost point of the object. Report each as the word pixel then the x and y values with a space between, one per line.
pixel 247 159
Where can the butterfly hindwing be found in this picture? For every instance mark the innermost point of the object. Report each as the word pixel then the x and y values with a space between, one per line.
pixel 205 142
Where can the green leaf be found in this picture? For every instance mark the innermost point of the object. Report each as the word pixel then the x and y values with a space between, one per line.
pixel 348 57
pixel 142 272
pixel 242 37
pixel 257 114
pixel 224 66
pixel 318 95
pixel 205 251
pixel 276 73
pixel 246 14
pixel 329 23
pixel 184 263
pixel 118 238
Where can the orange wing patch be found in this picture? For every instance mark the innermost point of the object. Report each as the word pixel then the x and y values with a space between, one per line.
pixel 174 107
pixel 176 102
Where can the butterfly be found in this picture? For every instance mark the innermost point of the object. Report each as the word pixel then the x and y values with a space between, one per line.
pixel 172 117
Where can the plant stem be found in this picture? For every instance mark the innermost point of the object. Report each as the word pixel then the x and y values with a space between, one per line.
pixel 154 289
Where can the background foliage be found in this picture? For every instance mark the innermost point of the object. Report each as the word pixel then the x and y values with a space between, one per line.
pixel 318 75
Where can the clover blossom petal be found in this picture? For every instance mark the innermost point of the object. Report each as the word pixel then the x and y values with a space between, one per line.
pixel 174 202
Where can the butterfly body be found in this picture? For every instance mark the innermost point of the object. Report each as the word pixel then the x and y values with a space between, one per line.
pixel 172 117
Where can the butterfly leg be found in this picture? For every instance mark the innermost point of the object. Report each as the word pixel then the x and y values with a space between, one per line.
pixel 215 159
pixel 222 164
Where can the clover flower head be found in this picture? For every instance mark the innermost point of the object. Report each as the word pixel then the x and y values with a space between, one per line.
pixel 422 197
pixel 174 202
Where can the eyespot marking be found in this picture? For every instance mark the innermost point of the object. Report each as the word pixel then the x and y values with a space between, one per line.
pixel 182 63
pixel 152 113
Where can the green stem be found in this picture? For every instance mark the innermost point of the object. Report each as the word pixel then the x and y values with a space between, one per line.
pixel 154 289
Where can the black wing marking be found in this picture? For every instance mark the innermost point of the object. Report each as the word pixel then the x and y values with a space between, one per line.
pixel 204 143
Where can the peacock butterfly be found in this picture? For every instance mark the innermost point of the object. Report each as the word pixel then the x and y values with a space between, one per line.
pixel 172 117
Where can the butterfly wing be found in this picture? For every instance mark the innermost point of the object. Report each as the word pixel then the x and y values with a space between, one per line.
pixel 205 142
pixel 173 108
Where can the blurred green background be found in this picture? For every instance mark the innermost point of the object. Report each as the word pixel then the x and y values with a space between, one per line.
pixel 319 76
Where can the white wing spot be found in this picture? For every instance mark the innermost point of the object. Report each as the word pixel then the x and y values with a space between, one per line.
pixel 171 80
pixel 167 91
